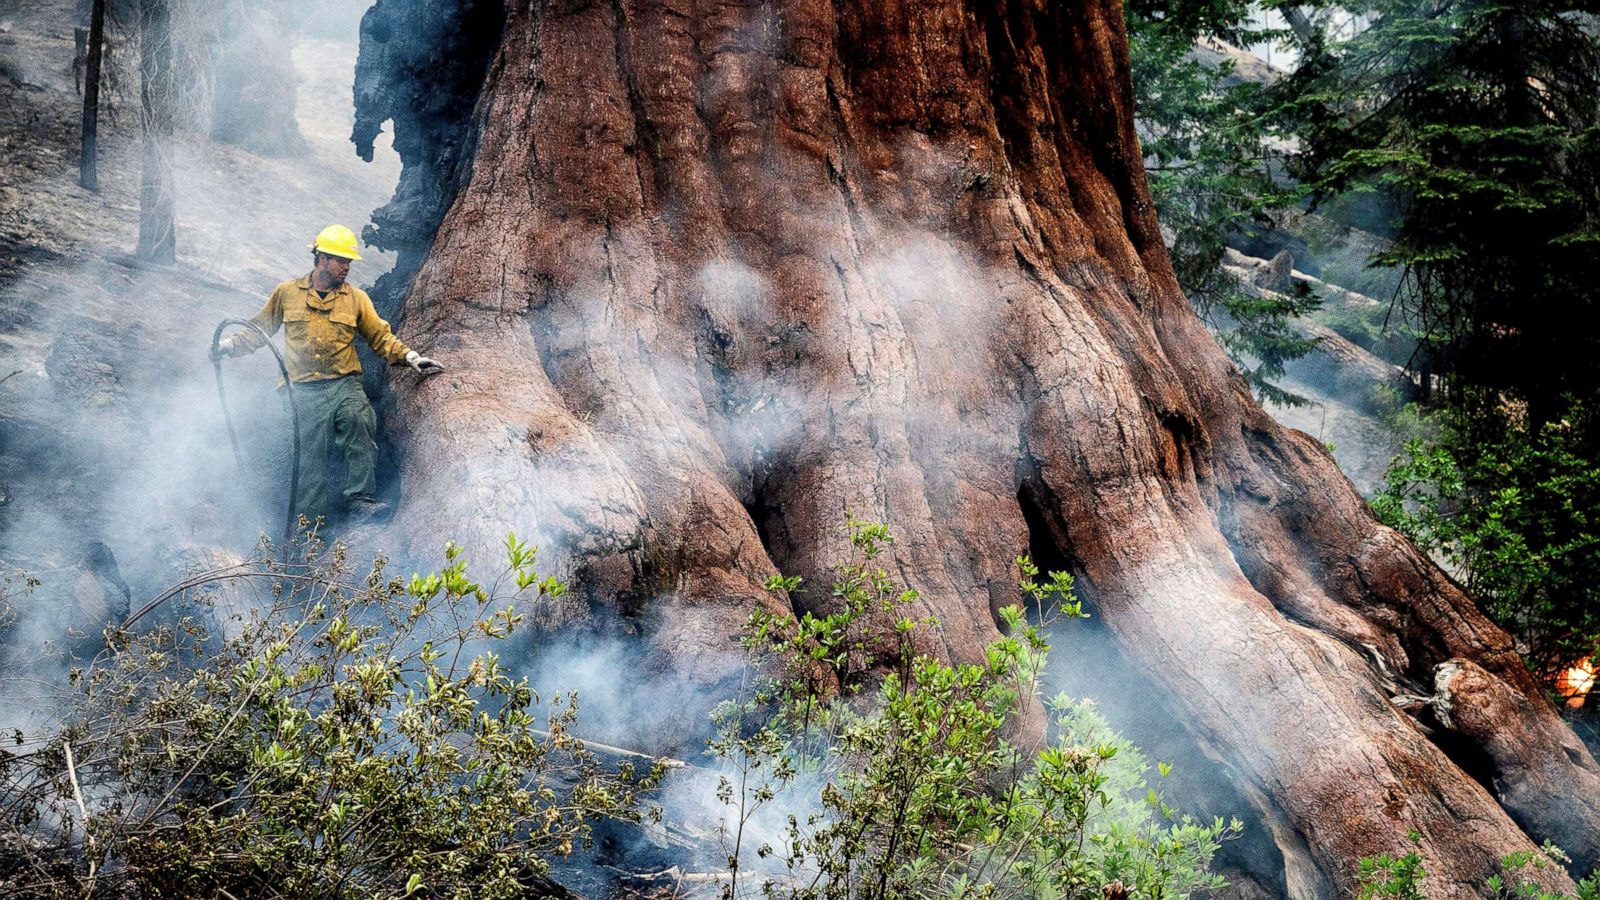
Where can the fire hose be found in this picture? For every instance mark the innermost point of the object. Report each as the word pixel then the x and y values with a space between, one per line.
pixel 238 455
pixel 294 418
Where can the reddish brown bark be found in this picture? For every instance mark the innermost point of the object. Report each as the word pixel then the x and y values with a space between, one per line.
pixel 720 273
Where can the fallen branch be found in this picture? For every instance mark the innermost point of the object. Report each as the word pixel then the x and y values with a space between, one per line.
pixel 677 874
pixel 667 761
pixel 133 262
pixel 77 796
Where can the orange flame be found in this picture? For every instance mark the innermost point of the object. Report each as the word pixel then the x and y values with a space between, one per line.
pixel 1576 681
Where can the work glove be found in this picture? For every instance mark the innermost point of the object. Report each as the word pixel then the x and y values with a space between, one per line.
pixel 229 346
pixel 421 364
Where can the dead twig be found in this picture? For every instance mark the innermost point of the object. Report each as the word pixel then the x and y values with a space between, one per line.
pixel 239 570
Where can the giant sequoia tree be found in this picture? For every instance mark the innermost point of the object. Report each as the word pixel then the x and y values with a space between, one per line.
pixel 708 276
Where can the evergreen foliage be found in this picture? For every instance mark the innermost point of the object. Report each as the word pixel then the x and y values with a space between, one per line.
pixel 1480 121
pixel 1475 126
pixel 1481 118
pixel 1212 149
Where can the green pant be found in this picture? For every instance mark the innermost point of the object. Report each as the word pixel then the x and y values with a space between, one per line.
pixel 335 415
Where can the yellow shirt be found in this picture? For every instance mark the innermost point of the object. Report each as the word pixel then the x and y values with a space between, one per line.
pixel 319 333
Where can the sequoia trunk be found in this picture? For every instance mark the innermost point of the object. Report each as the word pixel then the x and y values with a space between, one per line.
pixel 709 276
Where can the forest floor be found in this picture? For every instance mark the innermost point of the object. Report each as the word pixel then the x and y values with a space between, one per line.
pixel 1362 443
pixel 109 425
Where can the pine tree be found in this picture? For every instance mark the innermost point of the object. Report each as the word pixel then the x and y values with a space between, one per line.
pixel 1483 117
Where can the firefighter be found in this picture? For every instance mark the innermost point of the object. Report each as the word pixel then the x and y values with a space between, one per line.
pixel 321 315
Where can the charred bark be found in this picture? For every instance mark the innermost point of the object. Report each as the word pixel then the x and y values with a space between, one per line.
pixel 94 52
pixel 421 65
pixel 710 277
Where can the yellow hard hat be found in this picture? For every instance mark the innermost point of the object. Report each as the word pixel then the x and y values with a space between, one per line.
pixel 336 240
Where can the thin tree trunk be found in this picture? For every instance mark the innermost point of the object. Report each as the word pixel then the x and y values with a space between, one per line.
pixel 1300 24
pixel 88 176
pixel 157 201
pixel 717 277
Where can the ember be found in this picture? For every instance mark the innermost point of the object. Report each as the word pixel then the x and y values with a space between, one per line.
pixel 1575 683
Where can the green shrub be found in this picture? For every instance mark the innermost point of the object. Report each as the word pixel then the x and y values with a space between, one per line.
pixel 356 738
pixel 894 774
pixel 1398 877
pixel 1401 878
pixel 1514 510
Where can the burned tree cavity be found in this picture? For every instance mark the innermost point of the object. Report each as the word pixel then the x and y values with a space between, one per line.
pixel 421 65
